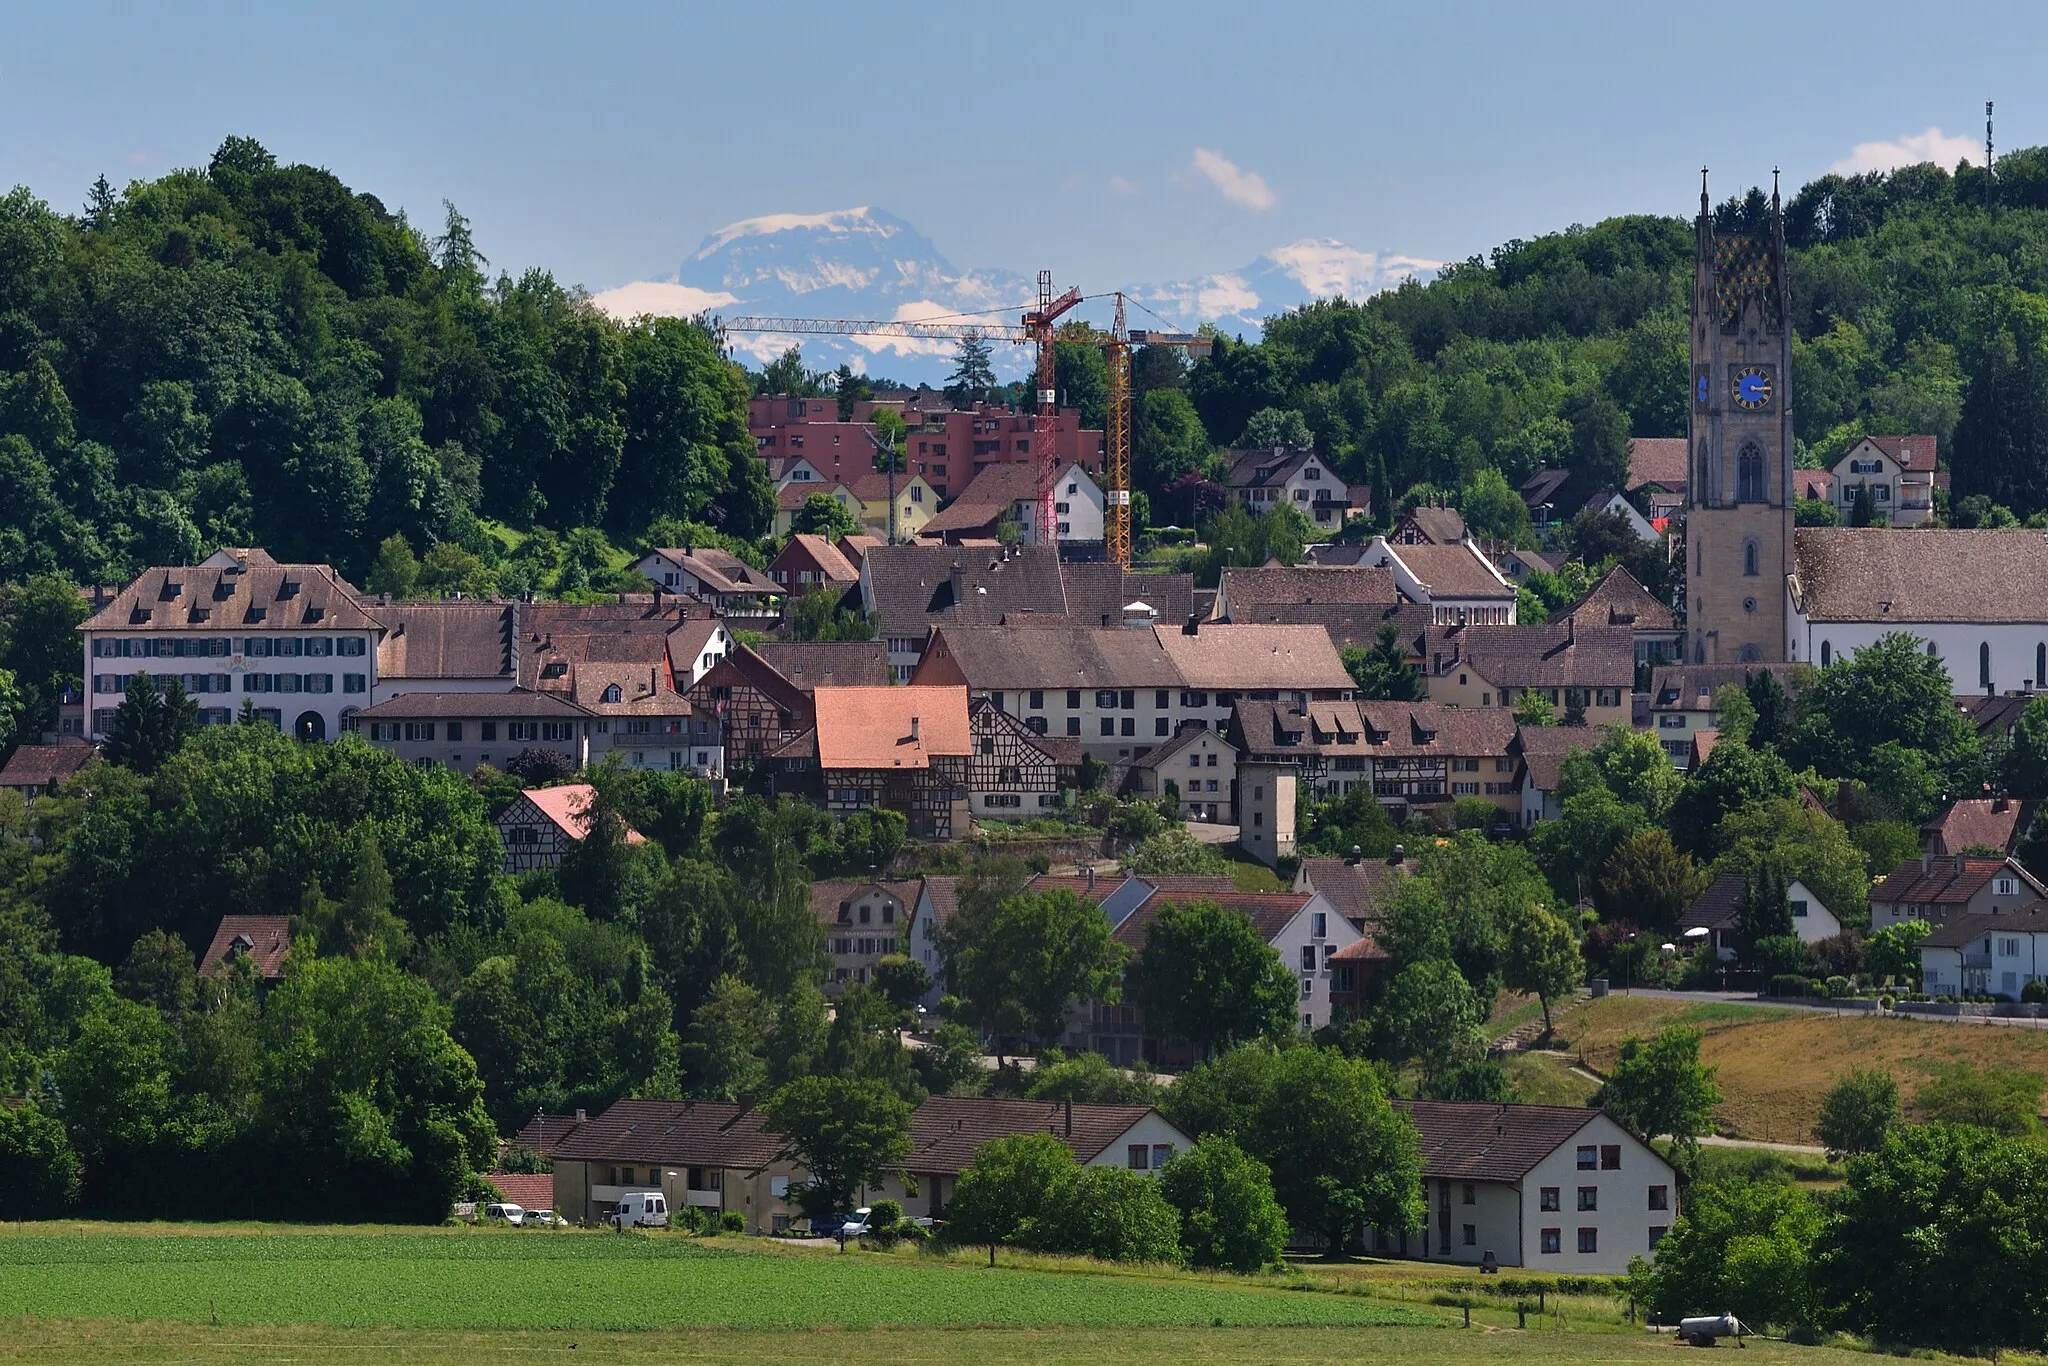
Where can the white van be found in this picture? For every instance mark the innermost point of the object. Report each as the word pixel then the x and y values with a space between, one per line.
pixel 641 1209
pixel 505 1214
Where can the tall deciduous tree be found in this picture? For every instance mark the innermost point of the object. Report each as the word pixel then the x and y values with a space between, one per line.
pixel 1018 963
pixel 1206 975
pixel 1542 957
pixel 848 1132
pixel 1661 1088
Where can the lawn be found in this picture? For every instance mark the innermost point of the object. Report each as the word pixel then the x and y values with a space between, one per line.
pixel 1775 1064
pixel 501 1279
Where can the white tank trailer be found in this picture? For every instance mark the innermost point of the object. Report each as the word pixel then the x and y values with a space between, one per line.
pixel 1703 1332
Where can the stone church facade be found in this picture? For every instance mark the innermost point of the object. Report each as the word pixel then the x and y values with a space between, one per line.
pixel 1739 521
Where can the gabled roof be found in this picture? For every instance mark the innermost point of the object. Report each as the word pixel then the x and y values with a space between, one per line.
pixel 792 496
pixel 1547 656
pixel 945 1130
pixel 1231 658
pixel 1918 453
pixel 268 596
pixel 1403 729
pixel 568 807
pixel 1361 585
pixel 1948 881
pixel 1658 460
pixel 943 892
pixel 828 897
pixel 1908 575
pixel 1618 600
pixel 992 494
pixel 1995 715
pixel 1542 487
pixel 741 666
pixel 1269 912
pixel 696 1132
pixel 41 765
pixel 827 663
pixel 1717 907
pixel 1347 625
pixel 1054 654
pixel 1959 931
pixel 1436 526
pixel 1356 890
pixel 915 585
pixel 544 1133
pixel 1543 750
pixel 1098 591
pixel 1187 737
pixel 1691 687
pixel 890 728
pixel 1995 821
pixel 452 639
pixel 1813 484
pixel 721 571
pixel 1453 571
pixel 428 706
pixel 264 938
pixel 1477 1142
pixel 819 552
pixel 528 1190
pixel 1263 468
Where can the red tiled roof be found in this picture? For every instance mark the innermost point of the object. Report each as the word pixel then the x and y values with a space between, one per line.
pixel 40 765
pixel 699 1133
pixel 1269 912
pixel 527 1190
pixel 1919 453
pixel 1993 821
pixel 889 728
pixel 544 1133
pixel 1945 881
pixel 264 938
pixel 568 806
pixel 945 1130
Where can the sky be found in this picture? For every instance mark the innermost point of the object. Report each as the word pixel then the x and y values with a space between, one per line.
pixel 1113 143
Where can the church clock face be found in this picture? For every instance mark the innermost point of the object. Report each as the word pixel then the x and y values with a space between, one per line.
pixel 1750 386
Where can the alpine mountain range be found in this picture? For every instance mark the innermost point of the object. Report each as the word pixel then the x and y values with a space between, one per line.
pixel 867 263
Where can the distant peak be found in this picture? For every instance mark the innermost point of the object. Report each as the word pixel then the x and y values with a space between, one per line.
pixel 863 220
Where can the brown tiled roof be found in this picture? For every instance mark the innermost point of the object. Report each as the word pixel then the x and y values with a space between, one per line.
pixel 453 639
pixel 1561 656
pixel 1995 715
pixel 945 1130
pixel 1717 907
pixel 1890 574
pixel 212 600
pixel 742 666
pixel 1187 735
pixel 1618 600
pixel 1236 658
pixel 1918 453
pixel 1947 881
pixel 268 938
pixel 1052 655
pixel 871 728
pixel 1542 486
pixel 1437 526
pixel 1703 743
pixel 1263 728
pixel 1355 889
pixel 1420 728
pixel 720 570
pixel 820 552
pixel 822 663
pixel 544 1133
pixel 1657 460
pixel 40 765
pixel 1691 687
pixel 464 705
pixel 1358 586
pixel 988 496
pixel 913 585
pixel 792 496
pixel 1543 749
pixel 568 806
pixel 693 1132
pixel 1106 884
pixel 827 897
pixel 1476 1142
pixel 526 1190
pixel 1261 467
pixel 1360 950
pixel 1994 821
pixel 1453 571
pixel 644 688
pixel 944 892
pixel 1097 591
pixel 1347 625
pixel 856 547
pixel 1269 912
pixel 1813 484
pixel 1959 930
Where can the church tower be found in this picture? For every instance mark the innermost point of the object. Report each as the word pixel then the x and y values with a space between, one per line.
pixel 1738 523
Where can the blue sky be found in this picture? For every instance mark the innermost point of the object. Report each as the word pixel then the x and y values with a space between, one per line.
pixel 1112 142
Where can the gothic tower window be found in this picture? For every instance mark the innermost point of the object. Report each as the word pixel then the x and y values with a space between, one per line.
pixel 1750 654
pixel 1827 654
pixel 1750 555
pixel 1749 474
pixel 2041 666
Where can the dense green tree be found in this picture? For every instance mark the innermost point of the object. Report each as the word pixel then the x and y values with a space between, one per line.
pixel 1016 963
pixel 2002 1099
pixel 1091 1078
pixel 1007 1189
pixel 848 1132
pixel 1167 439
pixel 1894 951
pixel 824 515
pixel 150 724
pixel 1661 1088
pixel 1896 694
pixel 39 647
pixel 38 1170
pixel 1208 976
pixel 1647 880
pixel 1734 777
pixel 1430 1016
pixel 1857 1112
pixel 1111 1213
pixel 974 375
pixel 1229 1218
pixel 397 569
pixel 1739 1247
pixel 1383 673
pixel 1542 957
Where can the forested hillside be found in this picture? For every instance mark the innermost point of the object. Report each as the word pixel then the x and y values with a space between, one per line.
pixel 257 353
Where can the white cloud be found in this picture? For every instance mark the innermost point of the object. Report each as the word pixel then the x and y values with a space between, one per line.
pixel 1325 267
pixel 662 298
pixel 1932 145
pixel 1247 188
pixel 1118 185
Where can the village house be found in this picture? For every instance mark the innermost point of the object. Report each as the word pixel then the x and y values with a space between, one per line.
pixel 1245 591
pixel 761 711
pixel 1939 889
pixel 1975 600
pixel 1458 584
pixel 1008 494
pixel 1358 887
pixel 543 824
pixel 1682 700
pixel 1300 479
pixel 1976 824
pixel 1618 600
pixel 297 641
pixel 808 665
pixel 1198 767
pixel 1718 912
pixel 1899 471
pixel 1545 1187
pixel 1014 773
pixel 794 495
pixel 1428 524
pixel 1978 954
pixel 1542 750
pixel 260 940
pixel 864 923
pixel 1590 670
pixel 466 730
pixel 37 770
pixel 718 577
pixel 811 562
pixel 711 1155
pixel 902 749
pixel 1658 465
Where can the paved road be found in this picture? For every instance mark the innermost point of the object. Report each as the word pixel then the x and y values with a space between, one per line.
pixel 1745 998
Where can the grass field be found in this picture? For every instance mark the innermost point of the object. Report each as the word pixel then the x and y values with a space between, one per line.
pixel 1776 1064
pixel 410 1297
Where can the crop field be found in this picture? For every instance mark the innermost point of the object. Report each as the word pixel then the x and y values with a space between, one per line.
pixel 511 1280
pixel 1775 1064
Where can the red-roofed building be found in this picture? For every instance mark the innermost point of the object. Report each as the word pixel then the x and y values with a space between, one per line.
pixel 262 939
pixel 904 749
pixel 809 562
pixel 543 824
pixel 1936 889
pixel 1900 473
pixel 35 770
pixel 1977 823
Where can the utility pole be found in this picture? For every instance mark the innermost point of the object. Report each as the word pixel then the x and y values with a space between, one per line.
pixel 1990 181
pixel 887 450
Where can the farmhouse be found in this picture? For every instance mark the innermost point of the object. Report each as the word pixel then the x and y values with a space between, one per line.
pixel 1548 1187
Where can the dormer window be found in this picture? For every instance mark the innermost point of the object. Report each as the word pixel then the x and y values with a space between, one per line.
pixel 258 613
pixel 611 693
pixel 171 589
pixel 288 588
pixel 315 613
pixel 554 668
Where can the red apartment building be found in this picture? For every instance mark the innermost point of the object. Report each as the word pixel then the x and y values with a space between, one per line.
pixel 947 446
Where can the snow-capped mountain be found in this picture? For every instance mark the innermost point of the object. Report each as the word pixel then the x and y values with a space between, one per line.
pixel 868 263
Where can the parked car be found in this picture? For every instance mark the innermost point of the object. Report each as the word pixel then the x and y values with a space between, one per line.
pixel 504 1214
pixel 641 1209
pixel 834 1225
pixel 543 1218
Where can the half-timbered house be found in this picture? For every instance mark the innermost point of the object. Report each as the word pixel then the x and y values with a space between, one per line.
pixel 542 825
pixel 761 709
pixel 902 749
pixel 1013 773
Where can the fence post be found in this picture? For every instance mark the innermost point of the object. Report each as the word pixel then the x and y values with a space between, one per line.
pixel 1468 1316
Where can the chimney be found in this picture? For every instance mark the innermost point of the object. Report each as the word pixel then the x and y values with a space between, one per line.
pixel 1927 852
pixel 581 1116
pixel 1193 626
pixel 1091 877
pixel 1571 629
pixel 1356 854
pixel 913 728
pixel 1394 859
pixel 1070 1117
pixel 2000 803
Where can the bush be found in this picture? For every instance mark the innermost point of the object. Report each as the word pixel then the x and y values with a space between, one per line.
pixel 1787 984
pixel 1229 1217
pixel 732 1221
pixel 38 1170
pixel 1840 988
pixel 2035 992
pixel 1779 954
pixel 1857 1112
pixel 1112 1213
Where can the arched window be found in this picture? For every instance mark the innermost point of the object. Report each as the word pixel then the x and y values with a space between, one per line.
pixel 1984 664
pixel 1751 552
pixel 1699 485
pixel 1750 654
pixel 1749 474
pixel 1932 652
pixel 611 694
pixel 1827 654
pixel 2041 666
